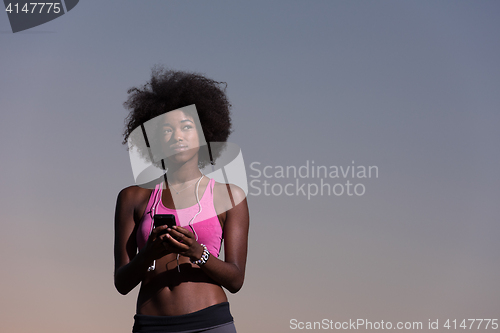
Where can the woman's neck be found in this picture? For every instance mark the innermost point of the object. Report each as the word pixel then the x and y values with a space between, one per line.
pixel 183 174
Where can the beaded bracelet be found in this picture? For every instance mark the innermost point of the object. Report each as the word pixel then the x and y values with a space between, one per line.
pixel 204 256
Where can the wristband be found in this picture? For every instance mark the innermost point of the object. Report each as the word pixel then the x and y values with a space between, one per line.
pixel 204 256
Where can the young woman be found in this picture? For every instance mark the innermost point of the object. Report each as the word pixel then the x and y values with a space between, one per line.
pixel 178 268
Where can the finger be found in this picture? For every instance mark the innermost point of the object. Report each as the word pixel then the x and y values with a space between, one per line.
pixel 181 238
pixel 162 238
pixel 175 233
pixel 182 246
pixel 183 231
pixel 158 230
pixel 156 236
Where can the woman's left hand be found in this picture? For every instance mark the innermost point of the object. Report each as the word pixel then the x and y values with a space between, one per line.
pixel 183 242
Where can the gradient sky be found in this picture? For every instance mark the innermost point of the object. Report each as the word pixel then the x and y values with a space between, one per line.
pixel 409 86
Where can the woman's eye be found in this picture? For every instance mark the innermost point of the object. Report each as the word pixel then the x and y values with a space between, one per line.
pixel 188 127
pixel 167 131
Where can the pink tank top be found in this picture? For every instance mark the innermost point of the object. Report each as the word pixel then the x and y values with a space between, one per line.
pixel 206 224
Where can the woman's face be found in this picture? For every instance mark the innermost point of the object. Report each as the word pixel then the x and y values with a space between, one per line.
pixel 180 139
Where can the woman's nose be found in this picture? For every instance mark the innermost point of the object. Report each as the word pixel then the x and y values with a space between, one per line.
pixel 177 135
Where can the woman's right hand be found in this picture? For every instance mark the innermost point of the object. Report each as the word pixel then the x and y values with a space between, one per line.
pixel 157 245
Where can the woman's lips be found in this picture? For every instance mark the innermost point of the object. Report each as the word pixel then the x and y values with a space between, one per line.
pixel 179 148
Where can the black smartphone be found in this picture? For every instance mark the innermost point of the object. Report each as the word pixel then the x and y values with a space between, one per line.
pixel 164 219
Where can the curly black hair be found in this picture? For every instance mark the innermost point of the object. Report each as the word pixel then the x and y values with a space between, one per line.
pixel 170 90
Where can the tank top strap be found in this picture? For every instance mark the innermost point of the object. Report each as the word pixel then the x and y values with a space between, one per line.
pixel 209 192
pixel 155 199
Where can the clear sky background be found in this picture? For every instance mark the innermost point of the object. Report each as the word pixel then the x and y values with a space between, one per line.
pixel 411 87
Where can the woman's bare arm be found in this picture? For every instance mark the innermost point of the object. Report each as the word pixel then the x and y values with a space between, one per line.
pixel 131 266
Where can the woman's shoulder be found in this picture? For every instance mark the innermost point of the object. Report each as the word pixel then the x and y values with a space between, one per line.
pixel 134 194
pixel 228 193
pixel 132 202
